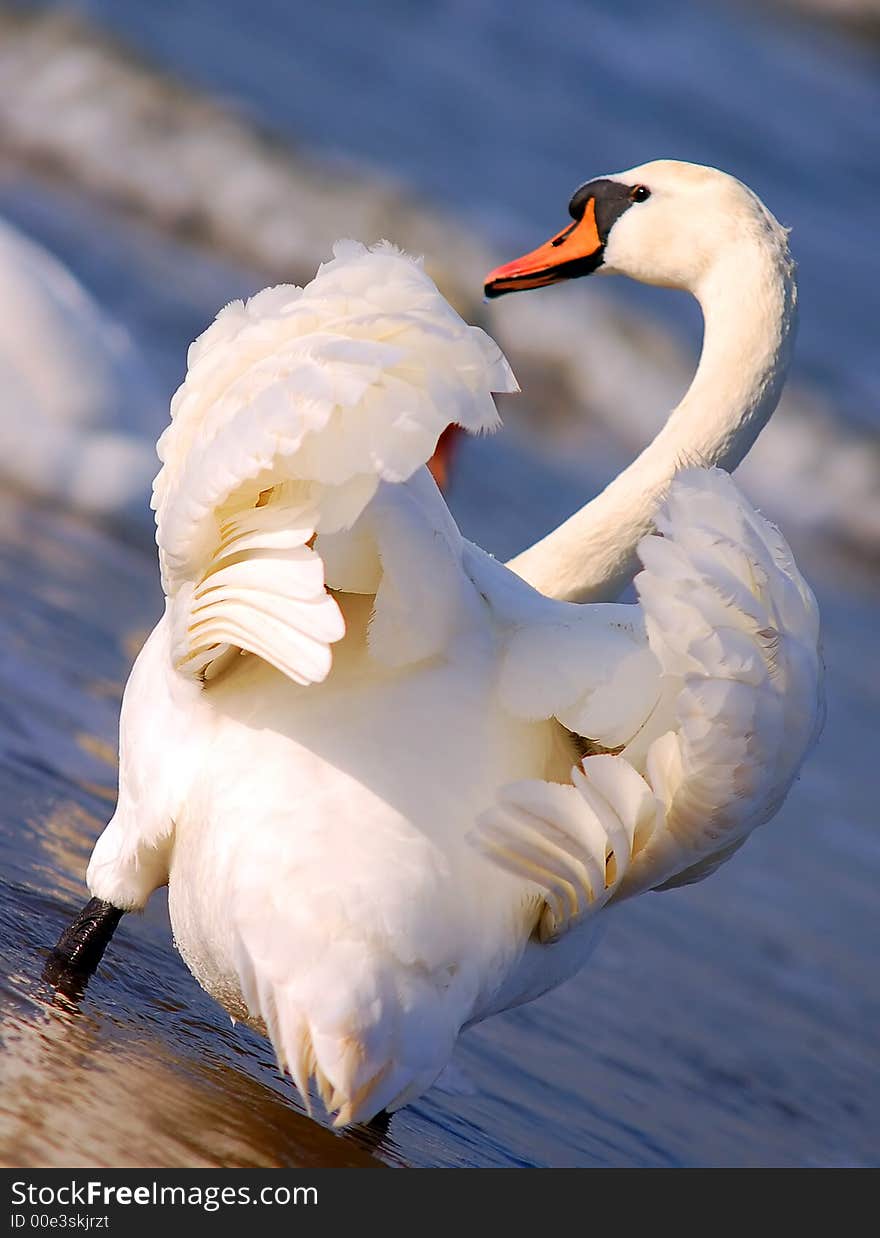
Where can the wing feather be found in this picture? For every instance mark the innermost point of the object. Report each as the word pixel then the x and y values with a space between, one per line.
pixel 296 407
pixel 734 667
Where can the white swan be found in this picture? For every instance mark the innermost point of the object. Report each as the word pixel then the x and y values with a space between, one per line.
pixel 68 376
pixel 389 807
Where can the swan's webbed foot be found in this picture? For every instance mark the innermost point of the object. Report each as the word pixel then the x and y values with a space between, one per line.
pixel 378 1123
pixel 371 1135
pixel 81 946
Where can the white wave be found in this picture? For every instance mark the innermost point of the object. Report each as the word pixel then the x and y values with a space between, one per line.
pixel 70 379
pixel 73 100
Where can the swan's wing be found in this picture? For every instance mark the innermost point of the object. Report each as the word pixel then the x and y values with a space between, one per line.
pixel 589 666
pixel 296 406
pixel 592 669
pixel 735 628
pixel 574 842
pixel 405 550
pixel 733 632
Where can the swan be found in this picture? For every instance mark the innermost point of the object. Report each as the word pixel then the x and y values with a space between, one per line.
pixel 388 781
pixel 68 373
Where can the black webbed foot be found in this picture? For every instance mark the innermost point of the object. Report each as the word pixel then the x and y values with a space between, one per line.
pixel 371 1135
pixel 81 947
pixel 379 1122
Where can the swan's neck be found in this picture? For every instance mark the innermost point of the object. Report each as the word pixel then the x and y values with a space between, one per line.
pixel 748 300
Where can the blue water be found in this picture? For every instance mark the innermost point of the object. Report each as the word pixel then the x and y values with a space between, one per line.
pixel 730 1023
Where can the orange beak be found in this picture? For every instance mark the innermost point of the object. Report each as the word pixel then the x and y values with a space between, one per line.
pixel 576 250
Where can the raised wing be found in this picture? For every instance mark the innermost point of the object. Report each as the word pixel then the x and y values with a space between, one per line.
pixel 296 406
pixel 731 703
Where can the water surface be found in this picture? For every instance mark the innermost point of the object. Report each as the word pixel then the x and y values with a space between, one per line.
pixel 730 1023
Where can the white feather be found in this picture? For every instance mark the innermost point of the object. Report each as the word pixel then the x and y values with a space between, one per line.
pixel 303 400
pixel 737 694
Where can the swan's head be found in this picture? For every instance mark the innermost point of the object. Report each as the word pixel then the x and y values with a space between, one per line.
pixel 665 223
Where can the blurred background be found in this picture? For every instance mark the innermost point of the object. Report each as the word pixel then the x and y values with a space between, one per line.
pixel 158 160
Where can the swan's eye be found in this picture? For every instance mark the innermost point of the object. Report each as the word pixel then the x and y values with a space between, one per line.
pixel 640 193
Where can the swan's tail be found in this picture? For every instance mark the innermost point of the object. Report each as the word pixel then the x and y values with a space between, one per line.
pixel 734 629
pixel 363 1029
